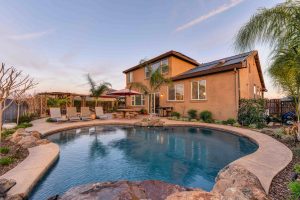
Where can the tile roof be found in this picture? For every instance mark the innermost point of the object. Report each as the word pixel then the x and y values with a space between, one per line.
pixel 164 55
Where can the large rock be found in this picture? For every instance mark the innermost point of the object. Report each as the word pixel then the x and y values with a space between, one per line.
pixel 194 195
pixel 123 190
pixel 36 134
pixel 235 182
pixel 28 141
pixel 5 185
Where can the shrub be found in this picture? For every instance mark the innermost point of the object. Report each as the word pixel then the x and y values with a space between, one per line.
pixel 297 168
pixel 192 113
pixel 295 189
pixel 175 114
pixel 229 121
pixel 251 111
pixel 50 120
pixel 218 121
pixel 279 133
pixel 143 111
pixel 193 120
pixel 4 150
pixel 296 151
pixel 8 132
pixel 236 124
pixel 206 116
pixel 24 125
pixel 26 118
pixel 6 161
pixel 253 126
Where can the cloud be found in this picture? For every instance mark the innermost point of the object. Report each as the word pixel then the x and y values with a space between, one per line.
pixel 212 13
pixel 31 36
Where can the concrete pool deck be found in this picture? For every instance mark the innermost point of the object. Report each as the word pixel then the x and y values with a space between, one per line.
pixel 265 163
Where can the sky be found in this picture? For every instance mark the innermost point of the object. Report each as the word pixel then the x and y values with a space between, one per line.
pixel 58 42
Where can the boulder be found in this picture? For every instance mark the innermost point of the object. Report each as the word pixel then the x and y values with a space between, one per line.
pixel 36 134
pixel 235 182
pixel 14 197
pixel 124 190
pixel 194 195
pixel 5 185
pixel 28 141
pixel 42 141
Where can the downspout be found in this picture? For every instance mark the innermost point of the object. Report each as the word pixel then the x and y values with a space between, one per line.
pixel 237 90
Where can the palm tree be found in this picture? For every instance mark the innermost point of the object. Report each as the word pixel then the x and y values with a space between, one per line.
pixel 156 81
pixel 99 90
pixel 277 26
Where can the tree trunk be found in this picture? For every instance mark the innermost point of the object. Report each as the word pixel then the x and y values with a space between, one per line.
pixel 1 117
pixel 18 114
pixel 96 101
pixel 298 120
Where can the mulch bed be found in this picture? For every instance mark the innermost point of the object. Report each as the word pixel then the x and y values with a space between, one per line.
pixel 279 186
pixel 16 152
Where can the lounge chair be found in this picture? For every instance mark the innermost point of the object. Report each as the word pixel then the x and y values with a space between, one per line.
pixel 85 113
pixel 72 114
pixel 55 115
pixel 100 114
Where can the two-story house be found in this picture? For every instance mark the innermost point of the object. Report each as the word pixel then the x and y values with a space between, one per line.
pixel 216 86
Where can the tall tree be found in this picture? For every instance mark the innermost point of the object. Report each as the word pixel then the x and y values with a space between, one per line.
pixel 12 83
pixel 276 26
pixel 99 90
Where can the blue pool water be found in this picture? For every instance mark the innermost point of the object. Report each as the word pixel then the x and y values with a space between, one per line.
pixel 186 156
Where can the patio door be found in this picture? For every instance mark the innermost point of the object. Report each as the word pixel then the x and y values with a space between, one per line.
pixel 153 103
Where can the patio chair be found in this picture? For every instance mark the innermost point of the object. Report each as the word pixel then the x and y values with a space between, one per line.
pixel 85 113
pixel 72 114
pixel 55 115
pixel 100 114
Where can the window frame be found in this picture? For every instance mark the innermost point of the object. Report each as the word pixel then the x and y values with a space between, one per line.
pixel 129 77
pixel 175 92
pixel 198 99
pixel 160 67
pixel 133 100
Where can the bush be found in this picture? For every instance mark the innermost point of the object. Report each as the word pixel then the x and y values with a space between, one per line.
pixel 143 111
pixel 297 168
pixel 295 189
pixel 252 126
pixel 4 150
pixel 279 133
pixel 24 125
pixel 8 132
pixel 251 111
pixel 218 121
pixel 192 113
pixel 206 116
pixel 229 121
pixel 6 161
pixel 26 118
pixel 193 120
pixel 50 120
pixel 236 124
pixel 175 114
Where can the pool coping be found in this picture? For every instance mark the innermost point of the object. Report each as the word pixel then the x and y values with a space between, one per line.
pixel 32 168
pixel 265 163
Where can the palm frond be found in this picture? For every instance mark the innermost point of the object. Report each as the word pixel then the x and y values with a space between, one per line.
pixel 139 86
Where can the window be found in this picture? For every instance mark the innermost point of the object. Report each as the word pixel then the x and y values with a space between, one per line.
pixel 161 65
pixel 198 90
pixel 129 77
pixel 175 93
pixel 137 100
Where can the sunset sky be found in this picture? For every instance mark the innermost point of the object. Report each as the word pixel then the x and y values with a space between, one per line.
pixel 58 41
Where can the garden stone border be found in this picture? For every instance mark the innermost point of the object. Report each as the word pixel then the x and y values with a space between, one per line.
pixel 265 163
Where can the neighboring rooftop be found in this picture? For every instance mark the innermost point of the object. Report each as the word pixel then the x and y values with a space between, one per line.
pixel 222 65
pixel 167 54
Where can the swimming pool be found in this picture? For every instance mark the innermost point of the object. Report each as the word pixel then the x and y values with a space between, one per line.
pixel 188 156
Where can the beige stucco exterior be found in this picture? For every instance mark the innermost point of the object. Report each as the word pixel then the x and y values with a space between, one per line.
pixel 223 89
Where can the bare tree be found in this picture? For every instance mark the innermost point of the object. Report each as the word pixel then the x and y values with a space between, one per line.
pixel 19 100
pixel 12 83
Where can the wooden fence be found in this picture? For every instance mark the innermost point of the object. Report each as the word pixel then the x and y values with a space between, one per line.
pixel 278 107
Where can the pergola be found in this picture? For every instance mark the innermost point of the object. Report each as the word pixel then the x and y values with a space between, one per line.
pixel 44 96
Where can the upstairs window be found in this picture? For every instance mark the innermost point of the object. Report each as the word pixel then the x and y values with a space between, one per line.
pixel 176 92
pixel 130 77
pixel 162 65
pixel 198 90
pixel 137 100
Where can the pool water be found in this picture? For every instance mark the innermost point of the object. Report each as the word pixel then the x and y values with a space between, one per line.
pixel 186 156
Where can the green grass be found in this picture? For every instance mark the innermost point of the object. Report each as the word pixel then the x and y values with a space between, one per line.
pixel 8 132
pixel 6 160
pixel 4 150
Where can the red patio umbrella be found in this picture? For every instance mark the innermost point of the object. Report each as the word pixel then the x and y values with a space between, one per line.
pixel 124 92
